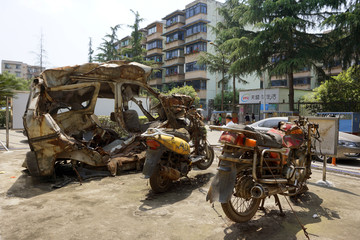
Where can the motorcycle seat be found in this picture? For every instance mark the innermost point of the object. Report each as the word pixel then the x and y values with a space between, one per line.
pixel 268 139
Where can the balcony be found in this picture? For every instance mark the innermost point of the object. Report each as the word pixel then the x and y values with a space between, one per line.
pixel 175 26
pixel 195 36
pixel 176 60
pixel 196 17
pixel 155 81
pixel 195 74
pixel 153 36
pixel 154 51
pixel 174 77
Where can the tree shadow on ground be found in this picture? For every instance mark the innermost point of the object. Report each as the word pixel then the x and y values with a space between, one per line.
pixel 269 224
pixel 179 191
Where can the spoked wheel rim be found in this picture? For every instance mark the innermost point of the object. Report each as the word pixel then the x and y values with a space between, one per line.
pixel 242 206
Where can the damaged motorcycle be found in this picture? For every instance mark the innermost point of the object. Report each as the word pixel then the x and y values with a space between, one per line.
pixel 176 146
pixel 255 165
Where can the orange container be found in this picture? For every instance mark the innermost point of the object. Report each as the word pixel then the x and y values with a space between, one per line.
pixel 250 142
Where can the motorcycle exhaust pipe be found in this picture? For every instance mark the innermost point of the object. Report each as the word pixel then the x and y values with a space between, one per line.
pixel 170 173
pixel 260 191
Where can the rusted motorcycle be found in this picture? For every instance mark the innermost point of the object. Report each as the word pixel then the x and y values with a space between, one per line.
pixel 256 165
pixel 175 147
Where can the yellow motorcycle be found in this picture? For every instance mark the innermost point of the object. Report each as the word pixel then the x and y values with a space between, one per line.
pixel 170 156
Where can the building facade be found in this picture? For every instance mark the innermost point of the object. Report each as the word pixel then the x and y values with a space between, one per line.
pixel 20 69
pixel 154 52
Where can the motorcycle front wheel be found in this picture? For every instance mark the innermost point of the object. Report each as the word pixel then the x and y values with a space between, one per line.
pixel 158 183
pixel 209 154
pixel 239 209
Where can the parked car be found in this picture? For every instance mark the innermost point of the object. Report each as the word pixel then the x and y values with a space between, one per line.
pixel 348 144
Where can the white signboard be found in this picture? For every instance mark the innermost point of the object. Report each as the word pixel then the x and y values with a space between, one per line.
pixel 19 107
pixel 329 134
pixel 256 96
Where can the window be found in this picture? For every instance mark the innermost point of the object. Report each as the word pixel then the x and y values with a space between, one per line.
pixel 193 66
pixel 154 44
pixel 18 66
pixel 196 9
pixel 174 54
pixel 196 28
pixel 197 47
pixel 270 123
pixel 154 58
pixel 197 84
pixel 152 30
pixel 18 74
pixel 174 37
pixel 279 83
pixel 158 74
pixel 125 43
pixel 203 85
pixel 172 71
pixel 203 103
pixel 7 66
pixel 302 81
pixel 172 20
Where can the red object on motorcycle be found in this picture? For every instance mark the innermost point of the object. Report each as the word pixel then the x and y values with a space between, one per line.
pixel 228 137
pixel 292 138
pixel 152 144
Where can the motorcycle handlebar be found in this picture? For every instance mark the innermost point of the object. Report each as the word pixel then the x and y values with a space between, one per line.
pixel 156 132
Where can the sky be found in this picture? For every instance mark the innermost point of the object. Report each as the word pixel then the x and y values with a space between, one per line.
pixel 67 25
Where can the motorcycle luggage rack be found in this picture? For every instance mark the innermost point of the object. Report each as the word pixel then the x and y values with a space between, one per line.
pixel 236 160
pixel 238 146
pixel 269 173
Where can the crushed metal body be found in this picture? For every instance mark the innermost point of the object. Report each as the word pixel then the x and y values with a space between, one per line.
pixel 61 125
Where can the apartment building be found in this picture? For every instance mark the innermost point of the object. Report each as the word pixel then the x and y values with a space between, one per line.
pixel 186 35
pixel 175 44
pixel 174 49
pixel 20 69
pixel 154 46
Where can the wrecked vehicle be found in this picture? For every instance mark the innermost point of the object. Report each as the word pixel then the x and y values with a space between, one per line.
pixel 176 146
pixel 61 125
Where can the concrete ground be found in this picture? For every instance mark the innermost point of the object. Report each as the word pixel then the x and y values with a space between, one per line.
pixel 124 207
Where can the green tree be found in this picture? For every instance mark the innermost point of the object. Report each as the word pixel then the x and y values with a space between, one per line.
pixel 107 48
pixel 91 51
pixel 136 51
pixel 228 100
pixel 335 94
pixel 9 83
pixel 186 90
pixel 281 42
pixel 218 63
pixel 227 29
pixel 345 25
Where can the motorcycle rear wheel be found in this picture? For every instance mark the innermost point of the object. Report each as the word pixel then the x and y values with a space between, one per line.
pixel 239 209
pixel 158 183
pixel 209 157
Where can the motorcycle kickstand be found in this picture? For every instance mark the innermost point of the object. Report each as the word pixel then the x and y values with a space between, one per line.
pixel 262 208
pixel 277 202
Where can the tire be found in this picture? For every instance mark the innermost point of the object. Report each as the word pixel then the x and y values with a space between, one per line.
pixel 158 183
pixel 210 154
pixel 239 209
